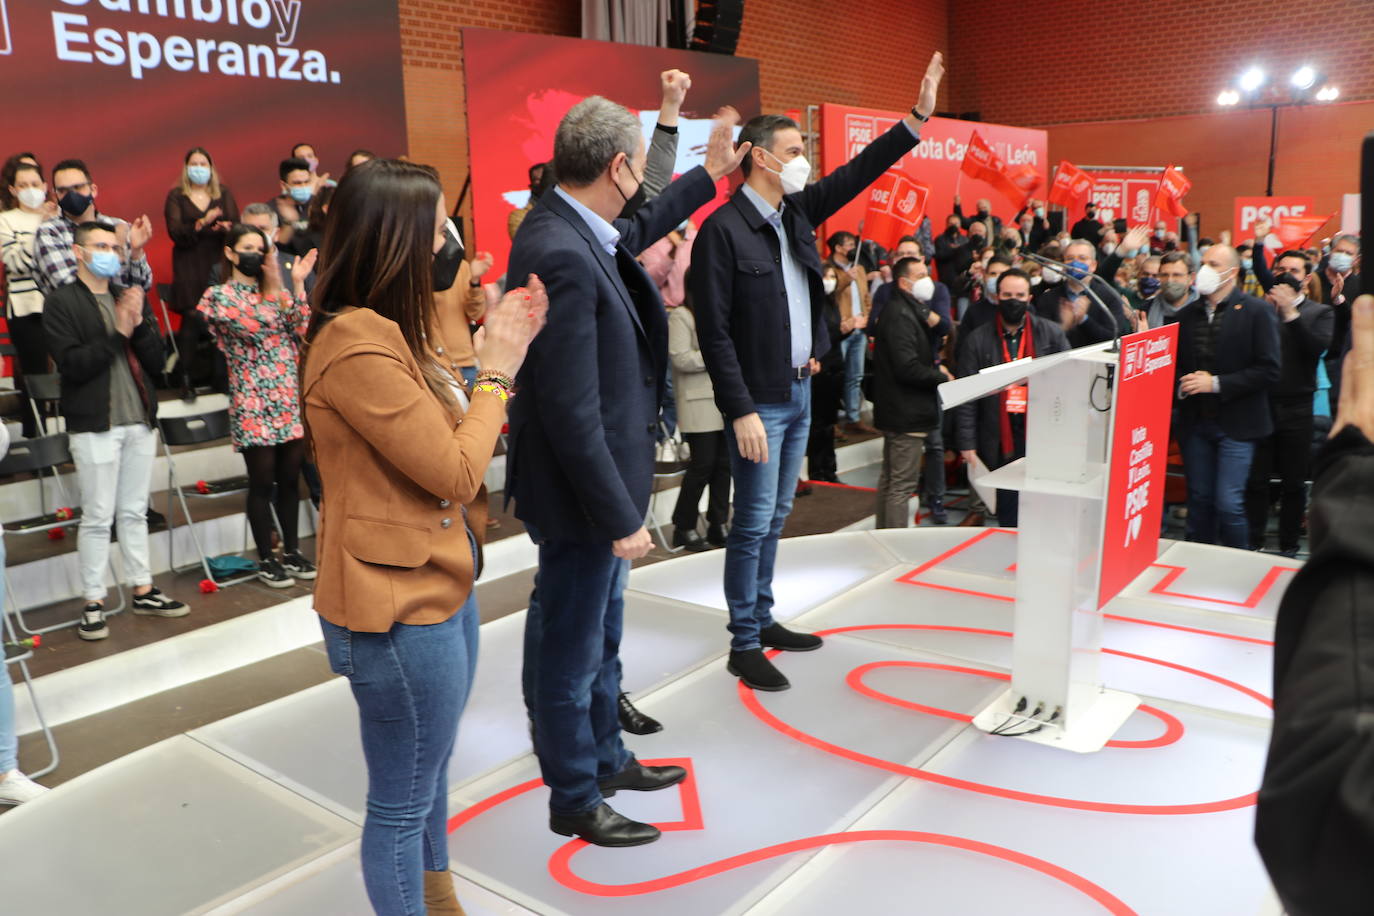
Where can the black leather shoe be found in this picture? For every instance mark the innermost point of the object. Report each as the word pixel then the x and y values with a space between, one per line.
pixel 778 636
pixel 638 778
pixel 602 826
pixel 716 535
pixel 754 668
pixel 689 539
pixel 634 721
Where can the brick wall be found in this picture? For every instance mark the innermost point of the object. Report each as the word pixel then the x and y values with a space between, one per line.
pixel 1082 60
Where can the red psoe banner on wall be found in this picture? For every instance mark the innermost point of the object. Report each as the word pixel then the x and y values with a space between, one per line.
pixel 1278 210
pixel 1124 195
pixel 1139 454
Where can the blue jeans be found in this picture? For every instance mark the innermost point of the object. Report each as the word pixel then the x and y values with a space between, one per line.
pixel 9 741
pixel 411 684
pixel 763 499
pixel 852 350
pixel 933 474
pixel 572 669
pixel 1218 468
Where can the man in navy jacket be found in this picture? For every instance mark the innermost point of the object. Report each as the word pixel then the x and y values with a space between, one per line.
pixel 1228 360
pixel 756 282
pixel 581 460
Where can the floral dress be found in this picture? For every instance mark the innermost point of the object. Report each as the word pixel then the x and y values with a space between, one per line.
pixel 261 342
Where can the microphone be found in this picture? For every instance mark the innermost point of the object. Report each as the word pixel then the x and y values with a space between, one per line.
pixel 1086 283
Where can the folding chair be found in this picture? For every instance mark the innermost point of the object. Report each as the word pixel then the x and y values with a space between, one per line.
pixel 35 456
pixel 669 464
pixel 164 294
pixel 45 397
pixel 198 429
pixel 20 659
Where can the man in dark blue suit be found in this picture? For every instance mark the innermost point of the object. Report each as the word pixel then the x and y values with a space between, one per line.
pixel 1228 360
pixel 756 284
pixel 581 460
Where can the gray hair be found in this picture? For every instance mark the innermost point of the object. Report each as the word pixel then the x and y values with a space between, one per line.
pixel 1076 242
pixel 1344 237
pixel 261 210
pixel 589 136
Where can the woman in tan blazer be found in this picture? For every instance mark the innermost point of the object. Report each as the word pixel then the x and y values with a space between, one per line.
pixel 402 450
pixel 703 428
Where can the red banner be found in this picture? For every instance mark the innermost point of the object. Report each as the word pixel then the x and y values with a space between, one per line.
pixel 1071 186
pixel 896 203
pixel 935 162
pixel 1297 231
pixel 1124 194
pixel 1015 182
pixel 1278 211
pixel 1169 199
pixel 1139 454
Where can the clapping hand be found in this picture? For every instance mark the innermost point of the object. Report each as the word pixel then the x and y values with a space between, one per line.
pixel 139 233
pixel 511 325
pixel 129 310
pixel 722 157
pixel 302 268
pixel 481 264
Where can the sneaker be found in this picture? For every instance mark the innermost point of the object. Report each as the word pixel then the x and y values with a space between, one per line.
pixel 156 604
pixel 272 575
pixel 16 788
pixel 298 566
pixel 92 626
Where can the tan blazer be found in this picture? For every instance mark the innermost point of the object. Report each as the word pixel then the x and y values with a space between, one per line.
pixel 456 308
pixel 841 294
pixel 397 474
pixel 696 399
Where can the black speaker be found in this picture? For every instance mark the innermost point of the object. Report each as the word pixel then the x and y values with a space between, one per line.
pixel 717 26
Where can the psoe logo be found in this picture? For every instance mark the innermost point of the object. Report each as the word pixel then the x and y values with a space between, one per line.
pixel 1133 360
pixel 5 46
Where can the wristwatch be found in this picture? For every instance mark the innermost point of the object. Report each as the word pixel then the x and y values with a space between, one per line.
pixel 918 116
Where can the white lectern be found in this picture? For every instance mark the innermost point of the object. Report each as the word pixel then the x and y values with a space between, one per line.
pixel 1056 694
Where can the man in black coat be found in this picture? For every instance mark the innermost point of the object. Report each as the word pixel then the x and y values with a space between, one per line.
pixel 581 462
pixel 905 405
pixel 756 282
pixel 1228 360
pixel 953 252
pixel 993 428
pixel 1089 227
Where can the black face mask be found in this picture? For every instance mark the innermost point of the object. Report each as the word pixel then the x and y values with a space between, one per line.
pixel 74 204
pixel 1012 310
pixel 633 203
pixel 250 264
pixel 448 260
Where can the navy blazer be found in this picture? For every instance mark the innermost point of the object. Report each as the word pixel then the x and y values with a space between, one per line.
pixel 580 463
pixel 737 285
pixel 1246 362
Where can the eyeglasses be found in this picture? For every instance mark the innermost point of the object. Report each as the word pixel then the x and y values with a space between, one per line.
pixel 83 188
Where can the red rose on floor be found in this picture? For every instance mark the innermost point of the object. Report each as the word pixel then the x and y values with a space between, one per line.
pixel 56 534
pixel 37 640
pixel 202 487
pixel 208 586
pixel 63 514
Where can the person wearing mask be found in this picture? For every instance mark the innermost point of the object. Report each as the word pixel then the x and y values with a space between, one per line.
pixel 1304 335
pixel 25 188
pixel 258 326
pixel 54 252
pixel 827 388
pixel 107 348
pixel 852 299
pixel 759 319
pixel 1340 286
pixel 983 295
pixel 306 152
pixel 263 217
pixel 704 429
pixel 993 429
pixel 905 404
pixel 953 253
pixel 1083 321
pixel 298 186
pixel 403 449
pixel 199 213
pixel 1159 237
pixel 1146 285
pixel 456 310
pixel 1034 225
pixel 938 301
pixel 1175 289
pixel 1228 360
pixel 581 462
pixel 1089 227
pixel 992 225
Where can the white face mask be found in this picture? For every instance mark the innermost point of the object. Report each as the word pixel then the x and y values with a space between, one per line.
pixel 1208 280
pixel 923 289
pixel 1036 281
pixel 1108 248
pixel 32 198
pixel 829 285
pixel 1340 261
pixel 793 173
pixel 1052 275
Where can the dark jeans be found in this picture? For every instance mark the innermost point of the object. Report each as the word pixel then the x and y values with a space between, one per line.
pixel 1217 467
pixel 1286 454
pixel 31 358
pixel 411 684
pixel 710 464
pixel 933 476
pixel 763 498
pixel 826 389
pixel 571 674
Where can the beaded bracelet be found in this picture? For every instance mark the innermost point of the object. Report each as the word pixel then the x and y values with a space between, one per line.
pixel 491 388
pixel 500 378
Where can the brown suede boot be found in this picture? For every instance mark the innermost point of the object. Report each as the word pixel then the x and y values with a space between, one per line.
pixel 440 900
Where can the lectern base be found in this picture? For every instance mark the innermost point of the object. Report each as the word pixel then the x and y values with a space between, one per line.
pixel 1087 732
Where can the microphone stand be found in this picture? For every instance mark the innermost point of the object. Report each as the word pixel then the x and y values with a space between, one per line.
pixel 1087 288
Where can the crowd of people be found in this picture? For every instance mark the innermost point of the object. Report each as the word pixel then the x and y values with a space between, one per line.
pixel 349 308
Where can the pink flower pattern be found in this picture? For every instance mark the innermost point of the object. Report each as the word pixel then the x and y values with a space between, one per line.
pixel 261 342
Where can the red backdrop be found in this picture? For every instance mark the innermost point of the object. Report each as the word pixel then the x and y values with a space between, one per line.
pixel 520 86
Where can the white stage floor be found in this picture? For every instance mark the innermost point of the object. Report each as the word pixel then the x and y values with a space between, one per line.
pixel 863 789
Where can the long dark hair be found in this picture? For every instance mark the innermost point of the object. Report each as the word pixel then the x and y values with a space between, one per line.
pixel 378 253
pixel 239 231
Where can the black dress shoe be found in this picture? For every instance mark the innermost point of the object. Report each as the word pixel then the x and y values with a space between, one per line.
pixel 778 636
pixel 716 535
pixel 688 538
pixel 602 826
pixel 754 668
pixel 638 778
pixel 634 721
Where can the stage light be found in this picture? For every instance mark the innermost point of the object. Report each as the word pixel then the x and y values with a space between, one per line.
pixel 1228 97
pixel 1251 79
pixel 1328 94
pixel 1303 77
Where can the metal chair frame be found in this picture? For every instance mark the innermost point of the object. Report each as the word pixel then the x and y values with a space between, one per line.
pixel 20 661
pixel 678 472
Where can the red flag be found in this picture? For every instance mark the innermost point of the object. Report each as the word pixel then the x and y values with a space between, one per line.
pixel 1015 183
pixel 1071 185
pixel 1297 231
pixel 1169 197
pixel 896 203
